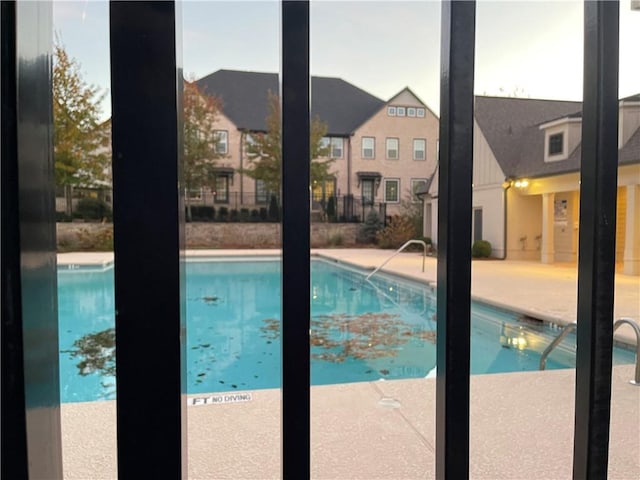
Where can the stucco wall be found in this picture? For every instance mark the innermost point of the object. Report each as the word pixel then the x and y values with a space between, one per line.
pixel 524 225
pixel 228 235
pixel 491 202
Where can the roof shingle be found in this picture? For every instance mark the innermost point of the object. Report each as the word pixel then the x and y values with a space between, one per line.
pixel 341 105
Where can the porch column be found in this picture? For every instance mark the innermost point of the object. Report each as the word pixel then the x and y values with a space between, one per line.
pixel 546 245
pixel 631 256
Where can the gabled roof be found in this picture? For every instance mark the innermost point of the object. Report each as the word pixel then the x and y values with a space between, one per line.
pixel 340 104
pixel 510 126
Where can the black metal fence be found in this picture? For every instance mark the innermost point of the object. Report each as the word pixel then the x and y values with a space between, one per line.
pixel 152 441
pixel 206 205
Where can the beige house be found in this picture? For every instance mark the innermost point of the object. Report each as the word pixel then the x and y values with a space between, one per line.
pixel 382 151
pixel 526 180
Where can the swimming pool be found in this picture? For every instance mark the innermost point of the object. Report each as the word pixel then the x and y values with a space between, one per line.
pixel 361 330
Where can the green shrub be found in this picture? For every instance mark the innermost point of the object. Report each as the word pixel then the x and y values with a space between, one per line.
pixel 263 214
pixel 63 217
pixel 331 209
pixel 93 209
pixel 233 216
pixel 223 214
pixel 481 249
pixel 255 215
pixel 370 228
pixel 244 215
pixel 336 240
pixel 274 209
pixel 400 229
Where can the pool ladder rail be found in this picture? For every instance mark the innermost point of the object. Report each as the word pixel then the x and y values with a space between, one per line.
pixel 424 255
pixel 573 326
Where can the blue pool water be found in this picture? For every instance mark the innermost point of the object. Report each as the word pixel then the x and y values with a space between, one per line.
pixel 361 330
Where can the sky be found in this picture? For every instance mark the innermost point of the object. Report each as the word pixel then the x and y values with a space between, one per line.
pixel 523 48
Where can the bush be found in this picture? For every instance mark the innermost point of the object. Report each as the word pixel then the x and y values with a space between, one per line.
pixel 101 241
pixel 400 229
pixel 255 215
pixel 244 215
pixel 233 216
pixel 263 214
pixel 223 214
pixel 93 209
pixel 336 240
pixel 370 228
pixel 274 209
pixel 63 217
pixel 331 209
pixel 202 213
pixel 481 249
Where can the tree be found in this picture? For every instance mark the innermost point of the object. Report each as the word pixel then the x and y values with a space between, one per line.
pixel 80 140
pixel 264 150
pixel 201 140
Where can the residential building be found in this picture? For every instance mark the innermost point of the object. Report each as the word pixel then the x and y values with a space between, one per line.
pixel 526 180
pixel 382 150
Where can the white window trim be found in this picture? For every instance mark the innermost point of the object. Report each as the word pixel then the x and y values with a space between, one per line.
pixel 411 112
pixel 397 149
pixel 563 155
pixel 373 149
pixel 388 180
pixel 219 134
pixel 341 147
pixel 391 111
pixel 420 112
pixel 424 152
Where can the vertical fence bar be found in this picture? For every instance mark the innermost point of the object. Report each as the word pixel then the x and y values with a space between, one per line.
pixel 14 424
pixel 596 263
pixel 146 87
pixel 296 272
pixel 29 279
pixel 454 239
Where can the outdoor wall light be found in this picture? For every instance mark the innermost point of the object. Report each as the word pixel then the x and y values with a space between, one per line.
pixel 524 183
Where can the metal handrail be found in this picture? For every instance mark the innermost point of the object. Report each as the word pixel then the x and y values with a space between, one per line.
pixel 424 255
pixel 572 326
pixel 565 331
pixel 636 329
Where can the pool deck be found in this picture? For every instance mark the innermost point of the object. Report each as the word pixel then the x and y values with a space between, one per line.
pixel 521 423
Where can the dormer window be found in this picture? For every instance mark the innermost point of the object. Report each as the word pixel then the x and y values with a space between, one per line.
pixel 556 143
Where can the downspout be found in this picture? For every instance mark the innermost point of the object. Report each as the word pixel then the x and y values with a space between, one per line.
pixel 349 164
pixel 504 201
pixel 241 172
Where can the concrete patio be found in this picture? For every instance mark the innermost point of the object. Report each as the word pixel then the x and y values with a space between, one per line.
pixel 521 423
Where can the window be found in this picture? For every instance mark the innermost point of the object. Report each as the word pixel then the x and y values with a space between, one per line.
pixel 367 191
pixel 391 111
pixel 400 111
pixel 417 185
pixel 392 148
pixel 419 149
pixel 221 145
pixel 336 148
pixel 332 146
pixel 392 190
pixel 261 192
pixel 411 112
pixel 420 112
pixel 222 189
pixel 556 144
pixel 368 147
